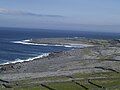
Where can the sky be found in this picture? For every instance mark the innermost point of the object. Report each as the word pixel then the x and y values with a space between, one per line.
pixel 92 15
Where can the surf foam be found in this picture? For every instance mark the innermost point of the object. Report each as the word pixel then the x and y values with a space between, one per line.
pixel 29 59
pixel 68 45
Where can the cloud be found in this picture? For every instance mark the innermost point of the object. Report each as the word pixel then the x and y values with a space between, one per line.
pixel 13 12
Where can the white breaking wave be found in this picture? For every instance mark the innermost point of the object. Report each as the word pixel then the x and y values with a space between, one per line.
pixel 28 43
pixel 29 59
pixel 68 45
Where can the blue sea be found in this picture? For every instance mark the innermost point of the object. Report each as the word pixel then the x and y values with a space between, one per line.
pixel 10 51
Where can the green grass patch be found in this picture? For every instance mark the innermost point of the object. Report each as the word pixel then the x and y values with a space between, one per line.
pixel 65 86
pixel 111 82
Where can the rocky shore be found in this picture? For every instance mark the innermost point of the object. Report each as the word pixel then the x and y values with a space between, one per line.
pixel 101 56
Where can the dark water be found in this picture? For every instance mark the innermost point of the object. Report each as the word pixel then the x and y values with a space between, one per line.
pixel 11 51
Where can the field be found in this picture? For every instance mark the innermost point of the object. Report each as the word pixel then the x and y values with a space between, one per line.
pixel 94 81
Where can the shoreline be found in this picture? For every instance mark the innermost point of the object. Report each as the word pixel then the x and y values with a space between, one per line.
pixel 83 60
pixel 28 42
pixel 25 60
